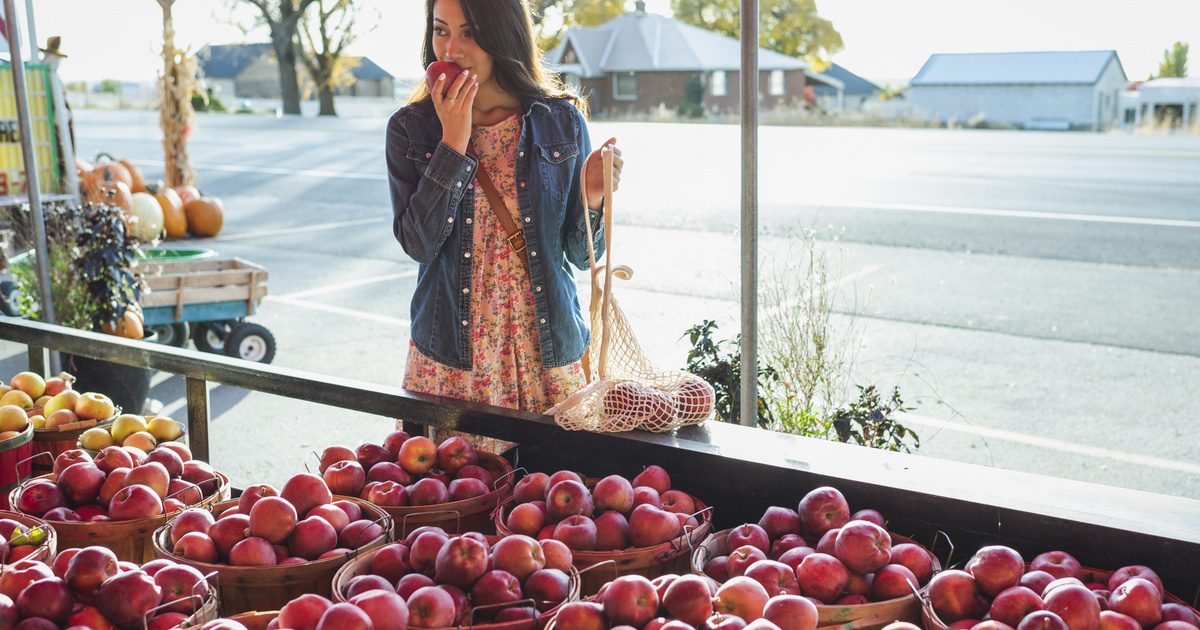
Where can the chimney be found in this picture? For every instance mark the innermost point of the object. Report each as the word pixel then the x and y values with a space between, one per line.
pixel 640 6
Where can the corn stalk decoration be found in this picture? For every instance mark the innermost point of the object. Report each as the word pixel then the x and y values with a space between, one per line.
pixel 175 104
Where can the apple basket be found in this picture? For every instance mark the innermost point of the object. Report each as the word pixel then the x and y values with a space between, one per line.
pixel 458 517
pixel 62 438
pixel 861 616
pixel 46 550
pixel 14 462
pixel 249 588
pixel 362 566
pixel 129 540
pixel 931 621
pixel 673 556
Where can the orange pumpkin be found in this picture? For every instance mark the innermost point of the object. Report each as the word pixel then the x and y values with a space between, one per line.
pixel 204 216
pixel 138 183
pixel 174 219
pixel 187 193
pixel 82 167
pixel 113 194
pixel 112 172
pixel 129 326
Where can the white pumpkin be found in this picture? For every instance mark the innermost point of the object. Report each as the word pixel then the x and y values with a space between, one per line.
pixel 149 217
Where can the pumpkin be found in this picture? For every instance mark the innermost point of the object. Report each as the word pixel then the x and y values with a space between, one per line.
pixel 187 193
pixel 112 172
pixel 138 183
pixel 149 215
pixel 204 216
pixel 128 326
pixel 83 167
pixel 174 220
pixel 113 194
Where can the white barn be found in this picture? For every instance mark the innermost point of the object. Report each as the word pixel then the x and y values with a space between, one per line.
pixel 1029 90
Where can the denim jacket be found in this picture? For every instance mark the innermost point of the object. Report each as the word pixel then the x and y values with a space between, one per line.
pixel 433 206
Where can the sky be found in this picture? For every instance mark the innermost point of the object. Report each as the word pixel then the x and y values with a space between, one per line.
pixel 885 40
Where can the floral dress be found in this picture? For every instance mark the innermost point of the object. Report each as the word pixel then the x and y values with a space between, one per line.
pixel 506 359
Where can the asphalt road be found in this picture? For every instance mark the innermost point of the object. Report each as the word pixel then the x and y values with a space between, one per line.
pixel 1033 294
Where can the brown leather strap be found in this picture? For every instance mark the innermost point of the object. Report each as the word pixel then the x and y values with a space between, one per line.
pixel 515 237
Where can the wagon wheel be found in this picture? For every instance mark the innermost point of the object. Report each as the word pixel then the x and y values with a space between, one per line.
pixel 210 336
pixel 252 342
pixel 173 334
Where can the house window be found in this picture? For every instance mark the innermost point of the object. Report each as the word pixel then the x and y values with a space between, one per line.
pixel 1130 116
pixel 718 83
pixel 776 86
pixel 625 86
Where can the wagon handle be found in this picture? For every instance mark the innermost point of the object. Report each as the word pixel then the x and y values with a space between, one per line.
pixel 150 613
pixel 499 606
pixel 949 554
pixel 17 467
pixel 456 513
pixel 615 570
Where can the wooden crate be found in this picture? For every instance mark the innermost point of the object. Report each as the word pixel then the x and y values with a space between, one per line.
pixel 188 282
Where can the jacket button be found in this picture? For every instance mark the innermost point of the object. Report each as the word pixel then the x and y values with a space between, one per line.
pixel 542 321
pixel 450 220
pixel 522 184
pixel 521 154
pixel 459 184
pixel 464 322
pixel 538 289
pixel 528 219
pixel 428 155
pixel 533 253
pixel 469 221
pixel 467 255
pixel 556 154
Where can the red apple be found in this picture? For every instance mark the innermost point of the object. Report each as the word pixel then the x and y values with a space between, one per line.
pixel 1060 564
pixel 863 546
pixel 111 458
pixel 428 491
pixel 88 569
pixel 454 453
pixel 742 597
pixel 432 74
pixel 424 550
pixel 39 496
pixel 1036 581
pixel 612 531
pixel 568 498
pixel 353 512
pixel 915 558
pixel 780 521
pixel 179 583
pixel 518 555
pixel 272 518
pixel 653 476
pixel 344 616
pixel 359 533
pixel 365 583
pixel 577 532
pixel 1076 605
pixel 649 526
pixel 91 617
pixel 67 458
pixel 305 491
pixel 613 492
pixel 1042 620
pixel 749 534
pixel 152 475
pixel 134 502
pixel 304 612
pixel 48 598
pixel 391 562
pixel 126 597
pixel 892 581
pixel 547 588
pixel 201 474
pixel 21 574
pixel 62 514
pixel 368 455
pixel 334 454
pixel 717 568
pixel 631 600
pixel 180 449
pixel 345 477
pixel 417 455
pixel 741 558
pixel 1013 604
pixel 581 616
pixel 645 495
pixel 1179 612
pixel 389 471
pixel 558 555
pixel 460 562
pixel 955 596
pixel 169 460
pixel 332 515
pixel 689 599
pixel 996 568
pixel 410 583
pixel 430 606
pixel 253 552
pixel 1110 620
pixel 527 519
pixel 791 612
pixel 776 577
pixel 496 587
pixel 311 537
pixel 196 546
pixel 191 520
pixel 387 493
pixel 183 493
pixel 823 509
pixel 228 531
pixel 1137 597
pixel 387 610
pixel 785 543
pixel 1120 576
pixel 531 487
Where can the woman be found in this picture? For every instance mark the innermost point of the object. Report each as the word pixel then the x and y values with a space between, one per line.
pixel 495 317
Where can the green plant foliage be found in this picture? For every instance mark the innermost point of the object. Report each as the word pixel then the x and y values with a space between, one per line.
pixel 869 422
pixel 720 363
pixel 693 98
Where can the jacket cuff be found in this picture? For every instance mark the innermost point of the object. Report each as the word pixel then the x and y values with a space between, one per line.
pixel 451 170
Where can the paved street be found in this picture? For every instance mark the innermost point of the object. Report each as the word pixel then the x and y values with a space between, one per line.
pixel 1034 294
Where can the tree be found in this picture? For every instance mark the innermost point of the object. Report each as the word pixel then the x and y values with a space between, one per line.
pixel 1174 63
pixel 552 18
pixel 790 27
pixel 282 17
pixel 174 104
pixel 321 41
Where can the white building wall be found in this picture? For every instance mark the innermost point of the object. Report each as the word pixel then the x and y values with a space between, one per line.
pixel 1108 96
pixel 1016 105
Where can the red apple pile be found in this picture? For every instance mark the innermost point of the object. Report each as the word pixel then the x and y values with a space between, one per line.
pixel 90 588
pixel 297 524
pixel 997 591
pixel 616 514
pixel 444 580
pixel 120 484
pixel 18 541
pixel 822 552
pixel 688 602
pixel 406 471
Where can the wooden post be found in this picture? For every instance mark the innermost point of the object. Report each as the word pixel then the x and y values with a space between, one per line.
pixel 37 360
pixel 197 410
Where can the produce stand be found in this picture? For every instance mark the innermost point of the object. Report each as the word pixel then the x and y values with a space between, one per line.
pixel 739 470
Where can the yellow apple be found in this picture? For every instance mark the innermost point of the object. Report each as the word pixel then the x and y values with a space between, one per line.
pixel 125 425
pixel 38 422
pixel 41 402
pixel 18 398
pixel 12 418
pixel 93 406
pixel 95 439
pixel 31 383
pixel 4 389
pixel 63 400
pixel 8 435
pixel 164 429
pixel 59 418
pixel 140 439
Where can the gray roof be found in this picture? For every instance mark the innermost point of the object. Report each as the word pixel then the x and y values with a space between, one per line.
pixel 648 42
pixel 1062 67
pixel 227 61
pixel 853 83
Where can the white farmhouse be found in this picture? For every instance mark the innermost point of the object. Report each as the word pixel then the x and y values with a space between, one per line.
pixel 1029 90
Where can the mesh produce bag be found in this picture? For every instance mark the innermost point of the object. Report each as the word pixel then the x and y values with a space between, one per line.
pixel 625 391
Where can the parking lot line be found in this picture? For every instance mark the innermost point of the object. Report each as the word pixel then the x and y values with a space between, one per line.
pixel 241 236
pixel 1012 214
pixel 338 310
pixel 333 288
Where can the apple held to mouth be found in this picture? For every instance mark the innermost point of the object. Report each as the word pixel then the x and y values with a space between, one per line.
pixel 437 68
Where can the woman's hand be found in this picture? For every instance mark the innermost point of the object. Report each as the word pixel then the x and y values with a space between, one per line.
pixel 593 180
pixel 453 107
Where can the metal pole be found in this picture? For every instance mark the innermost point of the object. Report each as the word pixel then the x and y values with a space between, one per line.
pixel 749 393
pixel 33 40
pixel 32 184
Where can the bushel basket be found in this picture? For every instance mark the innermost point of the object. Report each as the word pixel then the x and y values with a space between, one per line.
pixel 459 517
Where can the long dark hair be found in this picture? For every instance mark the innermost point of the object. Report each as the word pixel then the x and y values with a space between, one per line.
pixel 507 36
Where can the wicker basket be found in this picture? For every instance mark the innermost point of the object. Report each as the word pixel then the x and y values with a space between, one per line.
pixel 206 612
pixel 49 547
pixel 61 439
pixel 252 620
pixel 857 616
pixel 362 566
pixel 245 589
pixel 129 540
pixel 458 517
pixel 15 464
pixel 673 556
pixel 931 621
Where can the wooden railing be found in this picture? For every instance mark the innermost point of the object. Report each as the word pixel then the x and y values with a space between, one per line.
pixel 737 469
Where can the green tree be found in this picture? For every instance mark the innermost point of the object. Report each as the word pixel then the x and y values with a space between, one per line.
pixel 552 18
pixel 321 41
pixel 282 18
pixel 110 86
pixel 1174 63
pixel 790 27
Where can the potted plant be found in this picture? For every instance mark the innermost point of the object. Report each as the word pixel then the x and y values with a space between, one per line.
pixel 95 286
